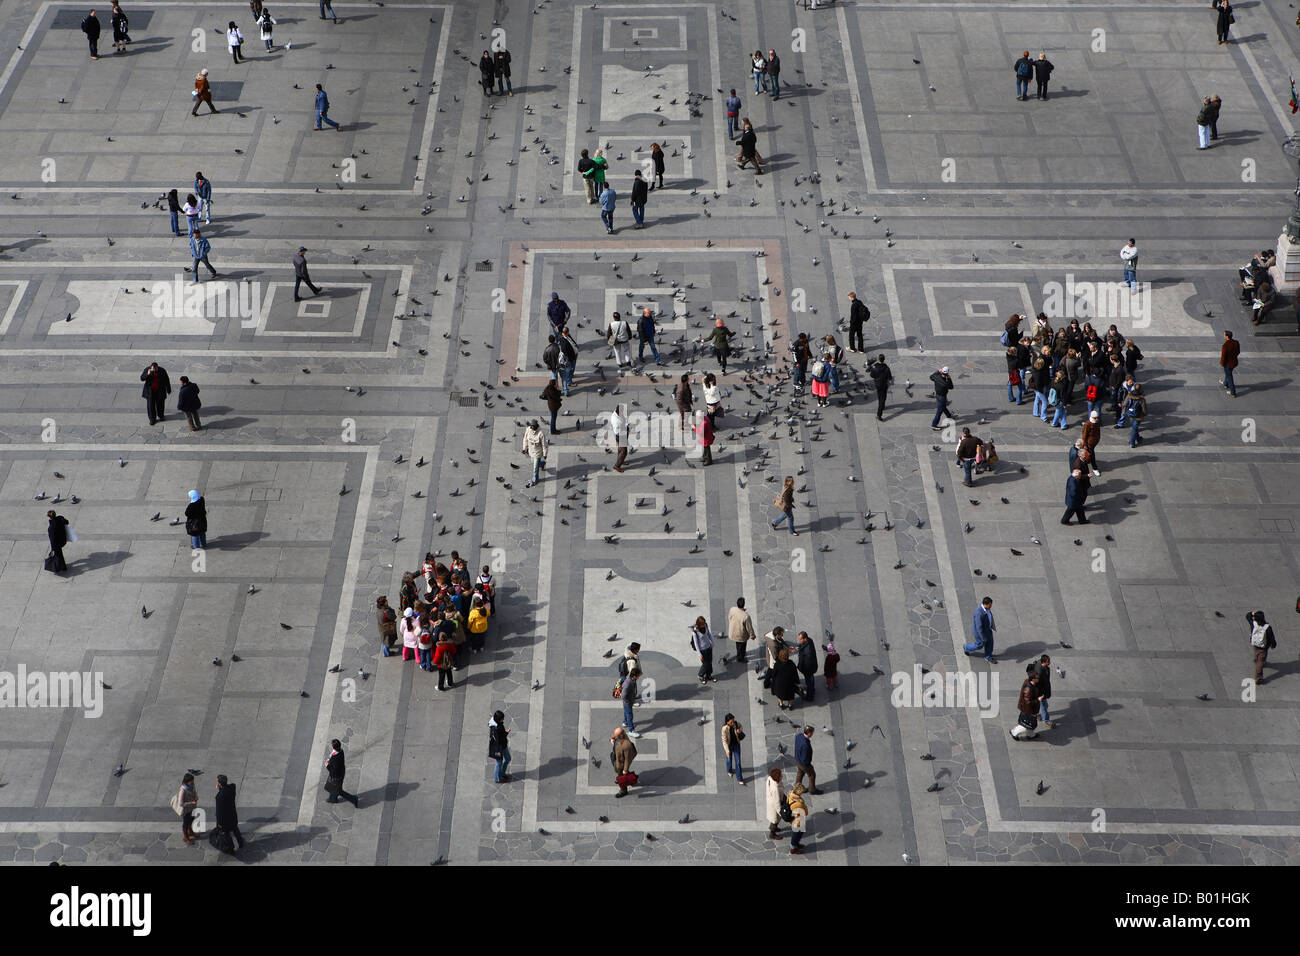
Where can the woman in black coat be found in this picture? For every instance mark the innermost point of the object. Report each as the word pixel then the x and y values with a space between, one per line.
pixel 487 72
pixel 1225 20
pixel 196 521
pixel 58 534
pixel 785 679
pixel 174 207
pixel 657 156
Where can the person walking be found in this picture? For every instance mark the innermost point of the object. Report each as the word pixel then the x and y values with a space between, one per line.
pixel 622 753
pixel 501 67
pixel 881 376
pixel 618 336
pixel 234 40
pixel 323 109
pixel 202 92
pixel 720 340
pixel 1042 73
pixel 199 249
pixel 640 191
pixel 798 808
pixel 1043 671
pixel 335 770
pixel 187 402
pixel 1056 397
pixel 57 532
pixel 646 330
pixel 203 189
pixel 499 747
pixel 1028 705
pixel 784 503
pixel 557 313
pixel 1216 104
pixel 831 666
pixel 808 665
pixel 1229 354
pixel 327 5
pixel 712 398
pixel 702 644
pixel 387 620
pixel 803 759
pixel 90 27
pixel 1203 123
pixel 759 65
pixel 1262 640
pixel 196 521
pixel 732 106
pixel 858 316
pixel 267 24
pixel 785 678
pixel 554 400
pixel 618 427
pixel 740 629
pixel 1223 21
pixel 732 734
pixel 301 275
pixel 608 202
pixel 444 653
pixel 982 630
pixel 535 447
pixel 1076 495
pixel 942 386
pixel 774 803
pixel 585 166
pixel 185 802
pixel 967 450
pixel 749 148
pixel 774 73
pixel 487 70
pixel 1024 70
pixel 157 386
pixel 193 209
pixel 120 36
pixel 1135 409
pixel 1091 435
pixel 657 157
pixel 227 814
pixel 704 432
pixel 174 208
pixel 568 358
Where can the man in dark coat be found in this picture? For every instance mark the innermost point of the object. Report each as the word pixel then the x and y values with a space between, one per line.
pixel 551 357
pixel 187 400
pixel 90 27
pixel 1076 494
pixel 807 666
pixel 882 376
pixel 300 275
pixel 942 385
pixel 1044 671
pixel 1042 73
pixel 336 769
pixel 157 386
pixel 640 193
pixel 774 73
pixel 501 62
pixel 858 314
pixel 803 759
pixel 58 533
pixel 557 313
pixel 227 816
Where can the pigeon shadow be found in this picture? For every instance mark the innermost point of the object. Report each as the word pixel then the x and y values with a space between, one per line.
pixel 237 542
pixel 96 560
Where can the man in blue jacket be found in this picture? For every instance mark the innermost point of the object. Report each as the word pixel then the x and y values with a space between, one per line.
pixel 1076 494
pixel 557 313
pixel 982 628
pixel 323 108
pixel 646 331
pixel 803 756
pixel 199 249
pixel 203 190
pixel 608 200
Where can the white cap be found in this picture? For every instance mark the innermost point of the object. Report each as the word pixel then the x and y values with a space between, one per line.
pixel 944 370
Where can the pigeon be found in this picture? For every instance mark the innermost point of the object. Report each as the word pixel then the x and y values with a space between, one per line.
pixel 252 589
pixel 121 769
pixel 1066 645
pixel 537 685
pixel 196 773
pixel 927 756
pixel 569 810
pixel 877 670
pixel 235 658
pixel 287 627
pixel 143 611
pixel 1202 696
pixel 1017 553
pixel 216 662
pixel 1035 540
pixel 684 818
pixel 934 787
pixel 336 668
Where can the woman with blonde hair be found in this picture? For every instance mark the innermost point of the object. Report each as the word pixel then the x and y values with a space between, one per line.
pixel 785 504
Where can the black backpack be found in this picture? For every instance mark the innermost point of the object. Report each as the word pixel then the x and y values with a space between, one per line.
pixel 622 667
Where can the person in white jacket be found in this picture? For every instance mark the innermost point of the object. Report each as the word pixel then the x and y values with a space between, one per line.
pixel 773 802
pixel 267 23
pixel 619 335
pixel 1128 254
pixel 535 447
pixel 234 39
pixel 702 642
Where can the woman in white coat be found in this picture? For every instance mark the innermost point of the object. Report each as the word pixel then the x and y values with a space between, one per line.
pixel 773 802
pixel 267 23
pixel 234 39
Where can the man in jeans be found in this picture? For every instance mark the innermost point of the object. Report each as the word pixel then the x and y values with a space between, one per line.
pixel 199 249
pixel 1043 669
pixel 608 200
pixel 1128 254
pixel 803 757
pixel 774 73
pixel 732 104
pixel 646 331
pixel 1228 362
pixel 942 385
pixel 568 358
pixel 732 734
pixel 323 107
pixel 300 275
pixel 627 694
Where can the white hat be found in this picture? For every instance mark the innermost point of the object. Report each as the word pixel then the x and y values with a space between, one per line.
pixel 944 370
pixel 1092 416
pixel 409 612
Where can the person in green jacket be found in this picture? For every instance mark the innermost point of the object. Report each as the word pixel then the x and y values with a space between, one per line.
pixel 596 172
pixel 719 339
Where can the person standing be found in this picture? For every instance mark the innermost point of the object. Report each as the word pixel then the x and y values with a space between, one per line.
pixel 759 66
pixel 833 356
pixel 202 92
pixel 774 73
pixel 568 358
pixel 749 148
pixel 732 734
pixel 557 313
pixel 57 532
pixel 784 503
pixel 599 165
pixel 732 106
pixel 203 189
pixel 858 316
pixel 301 275
pixel 799 348
pixel 967 449
pixel 798 817
pixel 1091 435
pixel 1216 104
pixel 702 644
pixel 267 24
pixel 1262 641
pixel 234 40
pixel 618 426
pixel 640 192
pixel 881 376
pixel 174 208
pixel 646 330
pixel 554 400
pixel 1228 356
pixel 501 66
pixel 740 629
pixel 831 666
pixel 193 210
pixel 775 800
pixel 387 619
pixel 585 166
pixel 487 70
pixel 1042 73
pixel 803 759
pixel 608 202
pixel 785 678
pixel 196 521
pixel 618 335
pixel 535 447
pixel 773 644
pixel 185 803
pixel 1135 409
pixel 326 5
pixel 444 652
pixel 157 386
pixel 622 753
pixel 720 339
pixel 1128 255
pixel 499 747
pixel 657 157
pixel 627 686
pixel 1223 22
pixel 323 109
pixel 1203 124
pixel 90 27
pixel 120 36
pixel 1024 70
pixel 982 630
pixel 1076 495
pixel 227 814
pixel 704 432
pixel 942 386
pixel 808 665
pixel 335 770
pixel 187 402
pixel 199 249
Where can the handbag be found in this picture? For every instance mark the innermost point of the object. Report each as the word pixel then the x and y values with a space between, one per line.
pixel 49 561
pixel 786 813
pixel 72 535
pixel 191 526
pixel 333 786
pixel 1013 377
pixel 177 806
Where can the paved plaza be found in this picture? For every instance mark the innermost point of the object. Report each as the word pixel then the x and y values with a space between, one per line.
pixel 346 434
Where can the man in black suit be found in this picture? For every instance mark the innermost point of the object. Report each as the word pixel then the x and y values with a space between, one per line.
pixel 227 816
pixel 336 769
pixel 882 376
pixel 1042 73
pixel 157 386
pixel 858 314
pixel 58 533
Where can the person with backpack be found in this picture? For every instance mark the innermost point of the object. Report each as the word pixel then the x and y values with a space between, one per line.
pixel 833 355
pixel 881 376
pixel 585 166
pixel 1024 70
pixel 568 361
pixel 858 316
pixel 821 389
pixel 646 330
pixel 267 24
pixel 942 386
pixel 627 694
pixel 799 348
pixel 618 335
pixel 732 734
pixel 499 747
pixel 1262 640
pixel 444 659
pixel 622 753
pixel 1135 409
